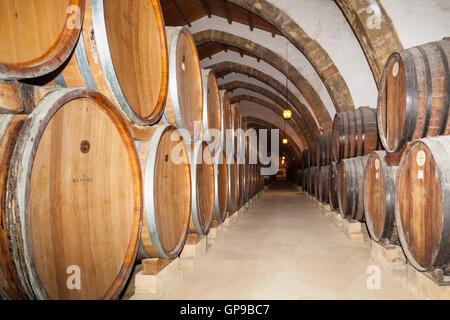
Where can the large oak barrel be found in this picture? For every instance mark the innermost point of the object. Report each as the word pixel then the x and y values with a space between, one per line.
pixel 247 180
pixel 38 36
pixel 237 131
pixel 305 158
pixel 333 186
pixel 312 155
pixel 241 183
pixel 350 187
pixel 233 191
pixel 414 97
pixel 122 52
pixel 212 116
pixel 355 133
pixel 422 202
pixel 220 186
pixel 72 204
pixel 323 194
pixel 202 187
pixel 184 106
pixel 167 193
pixel 324 150
pixel 227 123
pixel 313 181
pixel 379 196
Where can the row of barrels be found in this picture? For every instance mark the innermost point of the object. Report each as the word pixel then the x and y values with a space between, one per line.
pixel 401 193
pixel 94 176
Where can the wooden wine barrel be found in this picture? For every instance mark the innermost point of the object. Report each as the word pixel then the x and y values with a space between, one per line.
pixel 122 52
pixel 184 107
pixel 355 133
pixel 68 207
pixel 38 36
pixel 324 150
pixel 233 191
pixel 305 158
pixel 350 188
pixel 247 181
pixel 241 183
pixel 237 132
pixel 220 186
pixel 414 96
pixel 379 196
pixel 202 187
pixel 212 116
pixel 312 181
pixel 422 202
pixel 323 193
pixel 227 123
pixel 312 162
pixel 167 193
pixel 333 186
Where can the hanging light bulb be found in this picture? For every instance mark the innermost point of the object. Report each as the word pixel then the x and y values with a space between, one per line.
pixel 287 114
pixel 285 141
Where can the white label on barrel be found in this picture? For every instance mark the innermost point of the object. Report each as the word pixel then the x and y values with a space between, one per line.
pixel 395 69
pixel 420 175
pixel 183 66
pixel 377 164
pixel 377 176
pixel 420 158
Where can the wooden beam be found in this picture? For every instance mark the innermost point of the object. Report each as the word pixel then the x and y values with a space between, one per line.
pixel 250 21
pixel 182 13
pixel 241 53
pixel 273 31
pixel 225 48
pixel 227 12
pixel 206 7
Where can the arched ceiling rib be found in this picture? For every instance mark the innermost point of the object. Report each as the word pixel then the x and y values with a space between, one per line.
pixel 231 86
pixel 374 30
pixel 300 130
pixel 275 60
pixel 316 55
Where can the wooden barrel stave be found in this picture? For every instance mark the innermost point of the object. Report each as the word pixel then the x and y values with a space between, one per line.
pixel 333 186
pixel 220 186
pixel 323 193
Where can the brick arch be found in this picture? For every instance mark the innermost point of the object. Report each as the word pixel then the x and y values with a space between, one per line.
pixel 377 41
pixel 271 82
pixel 297 128
pixel 269 125
pixel 302 124
pixel 277 62
pixel 317 56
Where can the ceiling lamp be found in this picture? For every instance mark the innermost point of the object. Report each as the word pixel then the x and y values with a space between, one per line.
pixel 287 114
pixel 285 141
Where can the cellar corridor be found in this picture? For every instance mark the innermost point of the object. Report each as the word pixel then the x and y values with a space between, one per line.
pixel 283 248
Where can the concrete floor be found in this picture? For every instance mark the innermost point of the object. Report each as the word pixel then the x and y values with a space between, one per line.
pixel 283 248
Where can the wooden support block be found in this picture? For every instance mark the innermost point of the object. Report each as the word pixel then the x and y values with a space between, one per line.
pixel 215 232
pixel 154 266
pixel 195 246
pixel 390 258
pixel 353 229
pixel 338 220
pixel 423 285
pixel 151 283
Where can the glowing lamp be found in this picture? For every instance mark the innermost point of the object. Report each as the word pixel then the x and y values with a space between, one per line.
pixel 285 141
pixel 287 114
